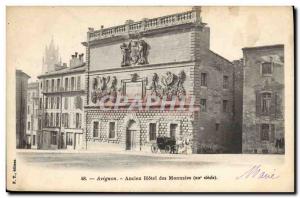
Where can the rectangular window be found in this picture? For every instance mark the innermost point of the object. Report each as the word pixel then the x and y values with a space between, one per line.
pixel 58 85
pixel 152 131
pixel 78 120
pixel 69 138
pixel 173 128
pixel 78 102
pixel 66 84
pixel 41 103
pixel 40 124
pixel 46 121
pixel 203 79
pixel 266 68
pixel 217 126
pixel 95 129
pixel 33 139
pixel 225 106
pixel 203 105
pixel 52 103
pixel 264 134
pixel 54 137
pixel 112 130
pixel 78 82
pixel 57 120
pixel 57 102
pixel 66 120
pixel 266 102
pixel 51 119
pixel 52 85
pixel 28 109
pixel 72 83
pixel 47 85
pixel 66 102
pixel 28 125
pixel 225 82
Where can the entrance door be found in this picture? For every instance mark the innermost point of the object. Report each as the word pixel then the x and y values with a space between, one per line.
pixel 131 133
pixel 130 140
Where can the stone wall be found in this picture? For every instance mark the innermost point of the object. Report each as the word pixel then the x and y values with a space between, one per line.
pixel 162 48
pixel 163 119
pixel 214 129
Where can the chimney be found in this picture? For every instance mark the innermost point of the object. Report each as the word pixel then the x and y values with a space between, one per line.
pixel 81 57
pixel 129 21
pixel 76 53
pixel 102 26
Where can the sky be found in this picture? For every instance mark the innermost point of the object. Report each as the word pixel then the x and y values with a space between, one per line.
pixel 30 29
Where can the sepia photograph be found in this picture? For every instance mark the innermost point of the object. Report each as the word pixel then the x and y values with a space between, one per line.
pixel 150 99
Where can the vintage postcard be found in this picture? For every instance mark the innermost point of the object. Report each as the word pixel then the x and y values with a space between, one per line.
pixel 150 99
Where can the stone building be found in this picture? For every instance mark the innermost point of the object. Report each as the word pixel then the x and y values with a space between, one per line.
pixel 263 99
pixel 21 110
pixel 32 124
pixel 61 102
pixel 167 59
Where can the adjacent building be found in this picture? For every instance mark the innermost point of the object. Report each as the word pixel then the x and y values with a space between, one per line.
pixel 21 108
pixel 163 58
pixel 33 121
pixel 263 99
pixel 62 93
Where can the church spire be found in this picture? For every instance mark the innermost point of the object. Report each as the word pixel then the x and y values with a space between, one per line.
pixel 51 56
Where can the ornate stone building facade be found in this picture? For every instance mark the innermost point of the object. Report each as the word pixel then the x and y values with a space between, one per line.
pixel 263 99
pixel 62 93
pixel 167 59
pixel 33 119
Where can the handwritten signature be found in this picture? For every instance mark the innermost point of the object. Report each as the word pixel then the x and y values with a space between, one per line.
pixel 257 172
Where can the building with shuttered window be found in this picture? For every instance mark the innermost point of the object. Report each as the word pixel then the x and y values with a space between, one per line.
pixel 263 99
pixel 62 93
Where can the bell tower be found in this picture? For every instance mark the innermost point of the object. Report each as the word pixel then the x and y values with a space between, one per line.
pixel 51 57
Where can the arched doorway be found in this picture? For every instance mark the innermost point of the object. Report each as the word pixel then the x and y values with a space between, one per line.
pixel 131 133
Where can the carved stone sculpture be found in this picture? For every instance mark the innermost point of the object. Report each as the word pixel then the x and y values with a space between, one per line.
pixel 173 85
pixel 155 88
pixel 102 88
pixel 125 55
pixel 135 53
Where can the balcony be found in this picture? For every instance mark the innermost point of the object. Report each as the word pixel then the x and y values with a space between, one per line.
pixel 62 90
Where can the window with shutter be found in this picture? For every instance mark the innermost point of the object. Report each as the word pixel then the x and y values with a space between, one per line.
pixel 272 133
pixel 258 103
pixel 66 103
pixel 78 82
pixel 266 103
pixel 264 132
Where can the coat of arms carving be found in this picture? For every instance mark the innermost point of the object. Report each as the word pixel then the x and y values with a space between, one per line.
pixel 134 53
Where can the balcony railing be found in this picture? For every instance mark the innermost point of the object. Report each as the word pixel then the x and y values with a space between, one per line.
pixel 63 89
pixel 147 24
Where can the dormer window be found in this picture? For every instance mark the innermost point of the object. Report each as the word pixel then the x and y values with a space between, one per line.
pixel 266 68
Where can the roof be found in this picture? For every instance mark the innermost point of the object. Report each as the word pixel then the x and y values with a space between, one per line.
pixel 219 56
pixel 263 47
pixel 68 70
pixel 20 72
